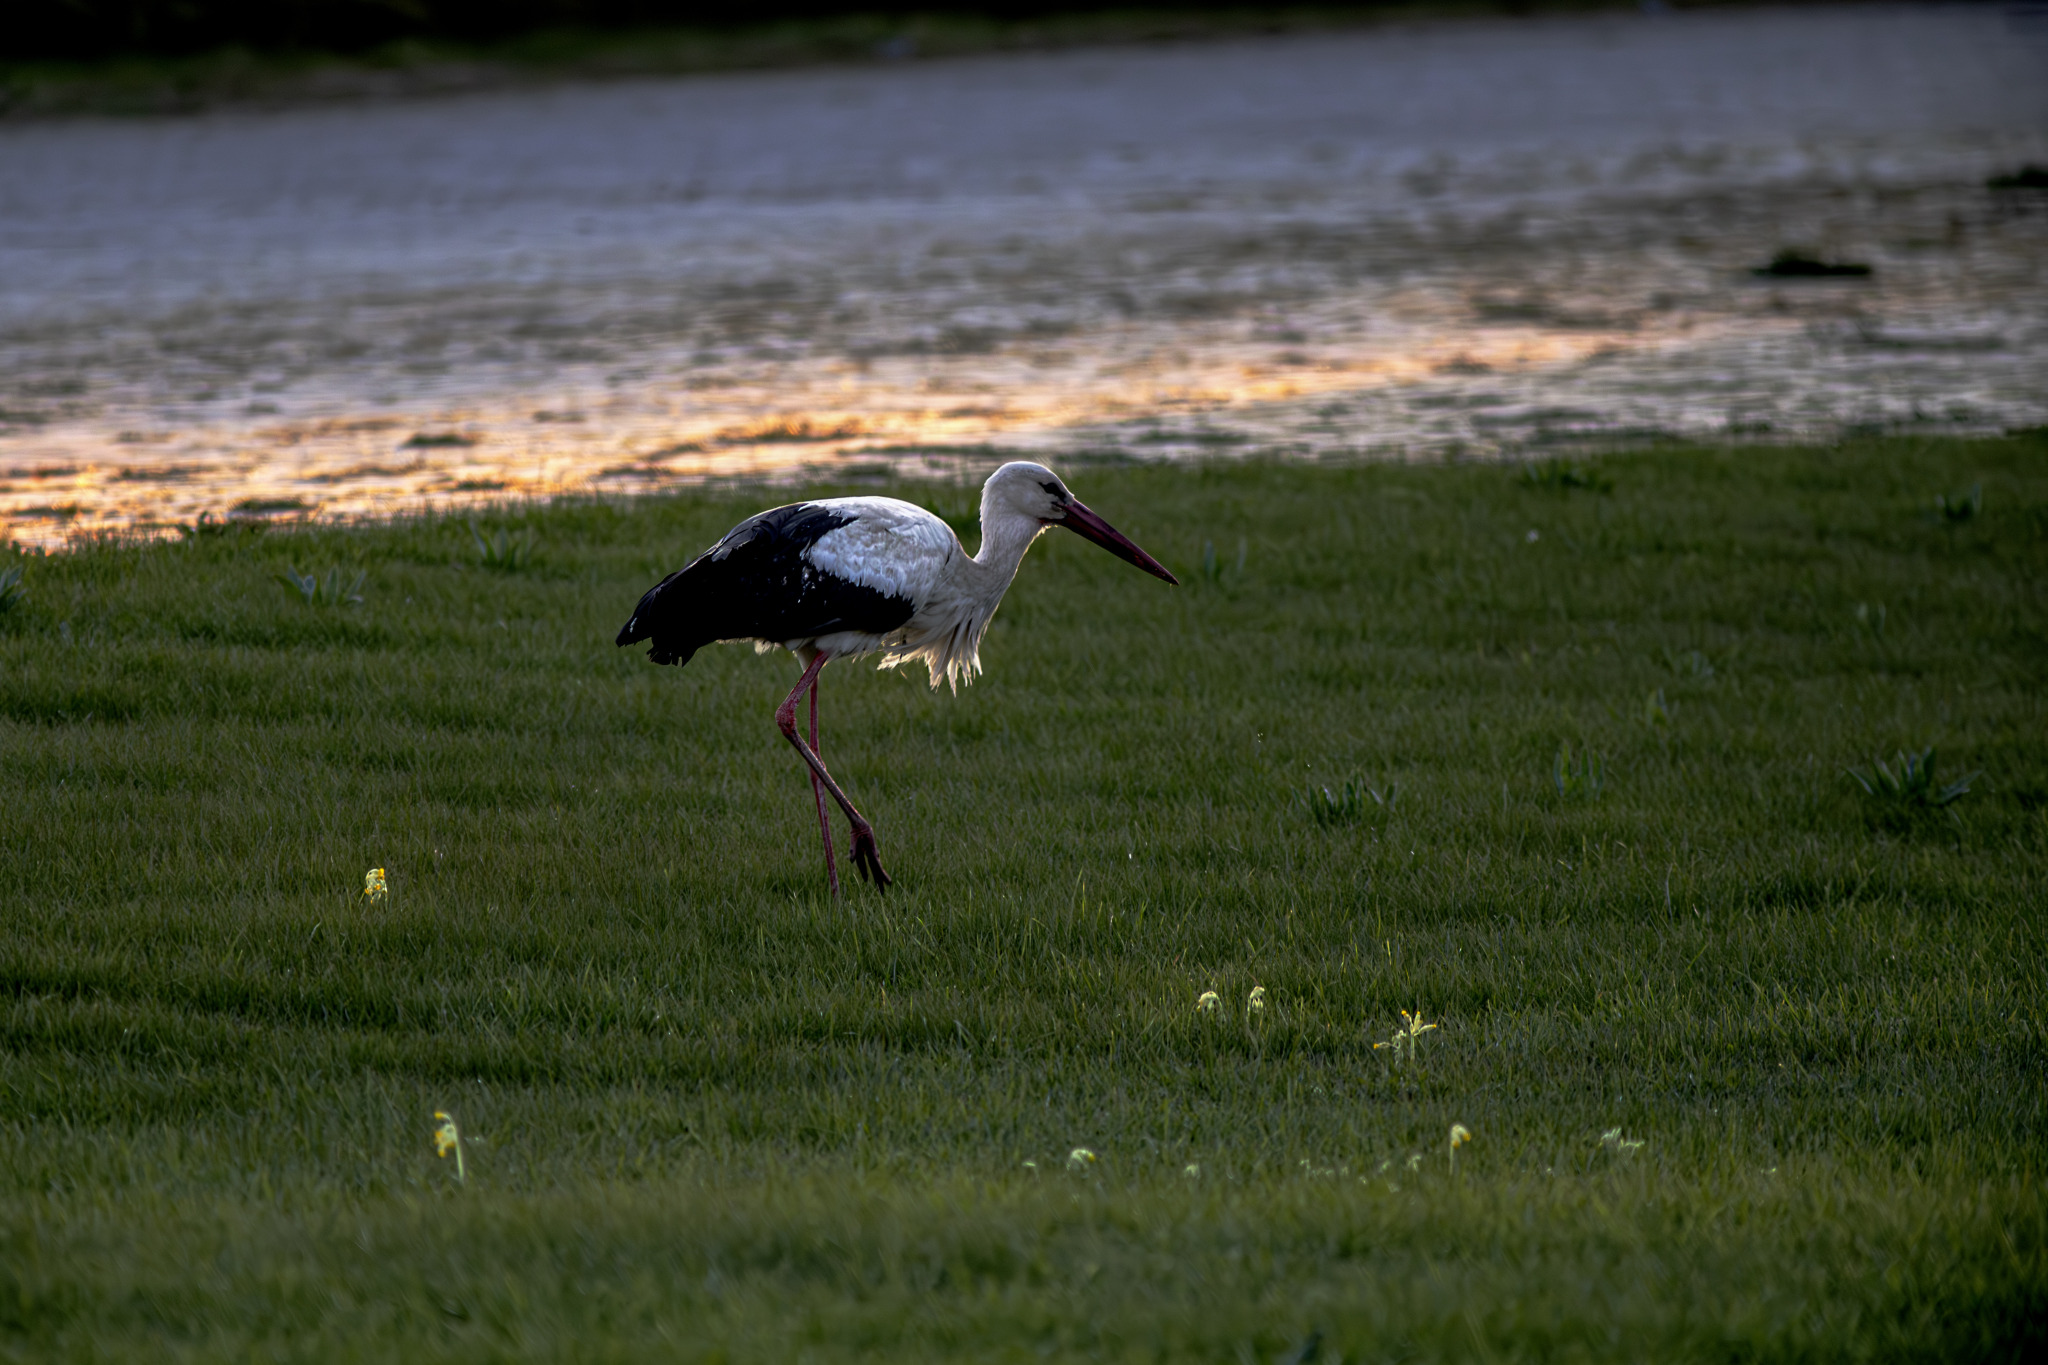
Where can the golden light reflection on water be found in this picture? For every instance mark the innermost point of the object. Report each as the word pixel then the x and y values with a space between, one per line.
pixel 1404 255
pixel 1150 393
pixel 1516 307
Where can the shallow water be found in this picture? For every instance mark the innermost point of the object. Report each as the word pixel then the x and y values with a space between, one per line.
pixel 1406 242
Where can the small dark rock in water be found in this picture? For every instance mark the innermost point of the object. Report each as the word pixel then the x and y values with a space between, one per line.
pixel 1798 265
pixel 2025 178
pixel 426 439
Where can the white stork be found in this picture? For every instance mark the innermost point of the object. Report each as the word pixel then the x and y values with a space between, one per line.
pixel 842 577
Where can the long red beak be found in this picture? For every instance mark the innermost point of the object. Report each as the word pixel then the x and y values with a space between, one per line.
pixel 1088 526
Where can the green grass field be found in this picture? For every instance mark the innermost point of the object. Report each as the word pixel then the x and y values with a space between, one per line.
pixel 1595 723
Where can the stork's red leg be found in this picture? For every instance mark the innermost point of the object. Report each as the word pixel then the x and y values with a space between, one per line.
pixel 866 856
pixel 818 793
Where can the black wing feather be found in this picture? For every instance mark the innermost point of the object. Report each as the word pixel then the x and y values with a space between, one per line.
pixel 756 585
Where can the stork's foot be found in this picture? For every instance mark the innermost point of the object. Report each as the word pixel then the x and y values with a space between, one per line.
pixel 868 857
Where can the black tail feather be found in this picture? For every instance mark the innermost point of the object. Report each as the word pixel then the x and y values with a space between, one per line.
pixel 656 619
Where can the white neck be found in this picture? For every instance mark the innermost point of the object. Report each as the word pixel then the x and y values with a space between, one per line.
pixel 949 631
pixel 1005 536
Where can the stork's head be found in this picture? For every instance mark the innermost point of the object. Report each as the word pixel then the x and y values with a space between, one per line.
pixel 1022 491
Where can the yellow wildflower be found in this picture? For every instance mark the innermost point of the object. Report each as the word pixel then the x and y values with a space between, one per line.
pixel 1208 1002
pixel 1080 1159
pixel 1256 1002
pixel 448 1138
pixel 1460 1135
pixel 373 884
pixel 1403 1041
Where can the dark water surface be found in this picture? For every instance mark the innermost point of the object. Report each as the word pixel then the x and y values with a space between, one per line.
pixel 1485 237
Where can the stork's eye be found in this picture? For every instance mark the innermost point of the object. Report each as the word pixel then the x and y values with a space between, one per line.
pixel 1059 494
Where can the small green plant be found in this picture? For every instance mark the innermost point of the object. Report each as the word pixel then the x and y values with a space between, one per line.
pixel 1907 788
pixel 11 589
pixel 1583 776
pixel 1562 476
pixel 1656 711
pixel 1213 569
pixel 1957 508
pixel 1350 803
pixel 332 590
pixel 501 550
pixel 1691 665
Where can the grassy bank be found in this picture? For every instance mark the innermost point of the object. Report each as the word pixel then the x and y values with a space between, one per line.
pixel 1557 760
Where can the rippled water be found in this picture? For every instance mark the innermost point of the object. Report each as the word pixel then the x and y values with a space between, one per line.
pixel 1476 237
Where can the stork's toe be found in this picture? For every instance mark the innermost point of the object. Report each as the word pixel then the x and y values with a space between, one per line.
pixel 867 856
